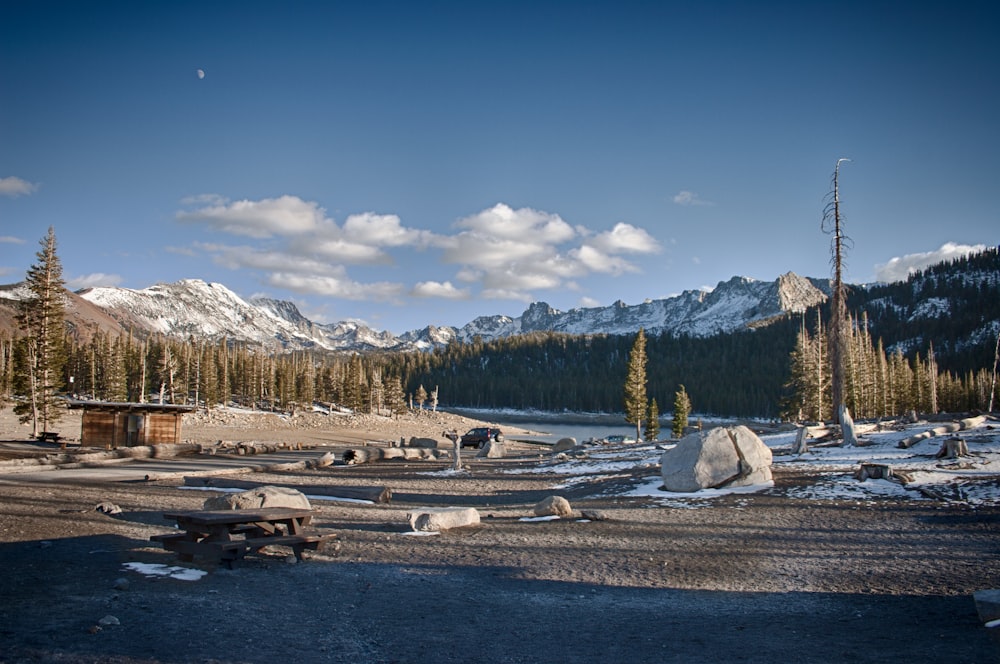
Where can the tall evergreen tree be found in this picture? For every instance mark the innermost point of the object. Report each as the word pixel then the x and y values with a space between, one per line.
pixel 652 431
pixel 682 409
pixel 42 318
pixel 635 383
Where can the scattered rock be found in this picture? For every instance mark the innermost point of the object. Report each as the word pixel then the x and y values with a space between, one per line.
pixel 423 443
pixel 563 445
pixel 491 449
pixel 433 519
pixel 108 620
pixel 108 508
pixel 594 515
pixel 121 583
pixel 553 506
pixel 265 496
pixel 987 604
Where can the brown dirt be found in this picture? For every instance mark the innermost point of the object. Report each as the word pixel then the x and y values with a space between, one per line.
pixel 749 578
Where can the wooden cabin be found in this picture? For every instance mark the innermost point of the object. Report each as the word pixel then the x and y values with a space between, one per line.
pixel 114 424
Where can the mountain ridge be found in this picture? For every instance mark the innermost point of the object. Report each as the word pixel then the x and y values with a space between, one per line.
pixel 193 307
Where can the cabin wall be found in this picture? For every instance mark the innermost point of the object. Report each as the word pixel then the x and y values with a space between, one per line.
pixel 98 429
pixel 162 428
pixel 111 429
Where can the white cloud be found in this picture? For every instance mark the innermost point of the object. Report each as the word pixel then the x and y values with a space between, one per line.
pixel 598 261
pixel 268 217
pixel 342 251
pixel 627 238
pixel 443 290
pixel 506 252
pixel 240 257
pixel 93 280
pixel 589 302
pixel 384 230
pixel 510 251
pixel 331 286
pixel 503 222
pixel 501 294
pixel 10 239
pixel 900 268
pixel 689 198
pixel 14 186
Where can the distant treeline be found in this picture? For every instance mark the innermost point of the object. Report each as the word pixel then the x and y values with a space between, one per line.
pixel 953 307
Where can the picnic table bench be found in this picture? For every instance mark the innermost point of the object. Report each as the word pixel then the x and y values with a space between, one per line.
pixel 48 437
pixel 225 536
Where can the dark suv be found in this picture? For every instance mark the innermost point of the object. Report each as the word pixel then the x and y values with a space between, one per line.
pixel 477 437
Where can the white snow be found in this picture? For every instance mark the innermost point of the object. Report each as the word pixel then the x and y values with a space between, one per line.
pixel 972 480
pixel 175 572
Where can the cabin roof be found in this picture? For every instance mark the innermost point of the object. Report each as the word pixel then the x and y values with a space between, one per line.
pixel 129 407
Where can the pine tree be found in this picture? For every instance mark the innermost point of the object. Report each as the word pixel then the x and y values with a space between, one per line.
pixel 42 318
pixel 652 431
pixel 682 408
pixel 635 383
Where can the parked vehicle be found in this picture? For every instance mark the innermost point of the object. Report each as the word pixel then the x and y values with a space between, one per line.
pixel 618 440
pixel 480 435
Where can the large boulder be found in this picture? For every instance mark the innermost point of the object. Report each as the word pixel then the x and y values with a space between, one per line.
pixel 553 506
pixel 426 443
pixel 724 456
pixel 263 496
pixel 434 519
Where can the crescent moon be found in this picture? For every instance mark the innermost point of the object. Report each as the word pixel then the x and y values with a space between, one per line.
pixel 201 73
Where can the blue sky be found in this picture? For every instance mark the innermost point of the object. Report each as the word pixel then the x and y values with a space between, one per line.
pixel 415 163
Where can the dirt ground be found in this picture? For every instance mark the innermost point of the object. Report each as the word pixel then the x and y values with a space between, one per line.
pixel 748 578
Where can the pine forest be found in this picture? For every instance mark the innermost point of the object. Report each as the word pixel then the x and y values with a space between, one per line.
pixel 927 344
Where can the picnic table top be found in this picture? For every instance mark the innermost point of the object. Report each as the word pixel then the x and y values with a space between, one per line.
pixel 210 517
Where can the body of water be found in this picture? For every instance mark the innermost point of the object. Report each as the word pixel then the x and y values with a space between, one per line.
pixel 550 427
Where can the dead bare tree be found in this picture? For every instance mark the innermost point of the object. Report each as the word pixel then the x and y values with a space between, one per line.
pixel 832 225
pixel 993 381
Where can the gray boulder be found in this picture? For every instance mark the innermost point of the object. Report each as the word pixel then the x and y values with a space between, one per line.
pixel 720 457
pixel 554 506
pixel 264 496
pixel 563 445
pixel 491 449
pixel 426 443
pixel 434 519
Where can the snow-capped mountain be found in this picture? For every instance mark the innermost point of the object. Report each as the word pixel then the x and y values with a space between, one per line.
pixel 732 305
pixel 192 307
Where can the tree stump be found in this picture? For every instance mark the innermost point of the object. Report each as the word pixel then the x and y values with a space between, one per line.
pixel 800 446
pixel 873 471
pixel 953 448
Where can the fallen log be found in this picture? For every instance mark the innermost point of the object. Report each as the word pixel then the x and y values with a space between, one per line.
pixel 319 462
pixel 951 427
pixel 367 454
pixel 375 494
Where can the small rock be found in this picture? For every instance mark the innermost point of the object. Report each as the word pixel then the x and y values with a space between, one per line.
pixel 121 583
pixel 108 508
pixel 987 604
pixel 564 444
pixel 594 515
pixel 108 620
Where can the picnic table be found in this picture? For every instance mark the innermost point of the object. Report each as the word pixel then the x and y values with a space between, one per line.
pixel 224 536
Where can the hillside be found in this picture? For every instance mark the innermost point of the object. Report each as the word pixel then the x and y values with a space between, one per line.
pixel 194 308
